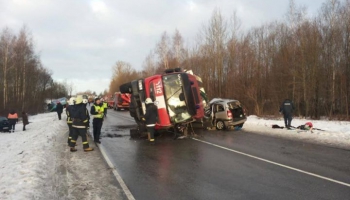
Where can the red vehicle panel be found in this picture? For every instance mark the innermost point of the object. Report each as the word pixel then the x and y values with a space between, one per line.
pixel 176 94
pixel 121 101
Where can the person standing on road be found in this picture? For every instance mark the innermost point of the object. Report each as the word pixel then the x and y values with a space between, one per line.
pixel 287 109
pixel 97 111
pixel 25 120
pixel 13 119
pixel 85 102
pixel 69 118
pixel 59 109
pixel 151 118
pixel 80 117
pixel 105 107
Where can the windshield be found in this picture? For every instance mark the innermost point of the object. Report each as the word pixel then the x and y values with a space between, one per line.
pixel 175 99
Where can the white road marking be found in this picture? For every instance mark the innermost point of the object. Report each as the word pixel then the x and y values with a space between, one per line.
pixel 275 163
pixel 116 174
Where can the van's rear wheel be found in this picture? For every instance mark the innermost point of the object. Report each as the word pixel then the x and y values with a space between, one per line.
pixel 220 125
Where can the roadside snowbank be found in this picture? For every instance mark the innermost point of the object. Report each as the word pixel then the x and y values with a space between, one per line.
pixel 335 133
pixel 26 158
pixel 37 164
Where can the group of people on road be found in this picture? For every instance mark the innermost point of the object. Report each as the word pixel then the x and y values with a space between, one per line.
pixel 78 121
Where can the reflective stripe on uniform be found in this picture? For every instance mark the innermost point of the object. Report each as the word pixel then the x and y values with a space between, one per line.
pixel 76 126
pixel 73 141
pixel 85 142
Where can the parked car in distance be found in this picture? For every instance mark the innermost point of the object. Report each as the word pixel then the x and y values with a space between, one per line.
pixel 227 113
pixel 4 124
pixel 51 107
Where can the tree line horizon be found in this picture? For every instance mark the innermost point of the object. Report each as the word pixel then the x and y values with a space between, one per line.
pixel 305 59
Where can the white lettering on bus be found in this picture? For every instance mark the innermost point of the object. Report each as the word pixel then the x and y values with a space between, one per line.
pixel 159 87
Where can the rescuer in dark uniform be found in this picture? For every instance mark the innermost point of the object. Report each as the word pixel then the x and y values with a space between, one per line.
pixel 80 118
pixel 97 111
pixel 287 109
pixel 151 117
pixel 59 109
pixel 69 118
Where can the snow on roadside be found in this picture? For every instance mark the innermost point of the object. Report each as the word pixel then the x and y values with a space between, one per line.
pixel 26 157
pixel 336 133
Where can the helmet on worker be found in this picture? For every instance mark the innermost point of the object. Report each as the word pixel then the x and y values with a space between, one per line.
pixel 71 101
pixel 79 99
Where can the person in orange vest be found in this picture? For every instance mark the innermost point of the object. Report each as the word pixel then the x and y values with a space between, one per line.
pixel 13 119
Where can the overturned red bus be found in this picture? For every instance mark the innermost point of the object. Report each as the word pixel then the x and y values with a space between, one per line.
pixel 176 94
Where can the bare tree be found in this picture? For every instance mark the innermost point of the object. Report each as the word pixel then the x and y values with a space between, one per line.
pixel 163 50
pixel 122 73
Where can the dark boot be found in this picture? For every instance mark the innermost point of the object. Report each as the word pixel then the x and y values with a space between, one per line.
pixel 73 149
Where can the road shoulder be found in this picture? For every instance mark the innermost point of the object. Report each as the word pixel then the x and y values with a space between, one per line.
pixel 83 175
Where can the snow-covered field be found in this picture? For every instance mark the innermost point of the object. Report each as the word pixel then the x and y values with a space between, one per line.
pixel 334 133
pixel 26 158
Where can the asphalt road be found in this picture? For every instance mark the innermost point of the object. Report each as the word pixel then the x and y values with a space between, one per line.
pixel 224 165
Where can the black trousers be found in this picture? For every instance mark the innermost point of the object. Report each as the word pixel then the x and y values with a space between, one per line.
pixel 76 133
pixel 12 126
pixel 151 131
pixel 97 125
pixel 59 115
pixel 287 120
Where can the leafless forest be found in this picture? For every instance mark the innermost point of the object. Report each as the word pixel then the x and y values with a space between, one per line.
pixel 306 59
pixel 301 57
pixel 24 82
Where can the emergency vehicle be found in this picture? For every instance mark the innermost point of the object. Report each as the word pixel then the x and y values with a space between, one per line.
pixel 176 94
pixel 121 101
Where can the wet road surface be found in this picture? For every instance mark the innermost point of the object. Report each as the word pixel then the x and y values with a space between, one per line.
pixel 242 165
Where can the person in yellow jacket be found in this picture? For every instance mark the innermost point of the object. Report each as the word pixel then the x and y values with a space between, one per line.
pixel 105 107
pixel 97 111
pixel 80 118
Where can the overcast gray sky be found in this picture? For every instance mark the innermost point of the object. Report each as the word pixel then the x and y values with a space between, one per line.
pixel 80 40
